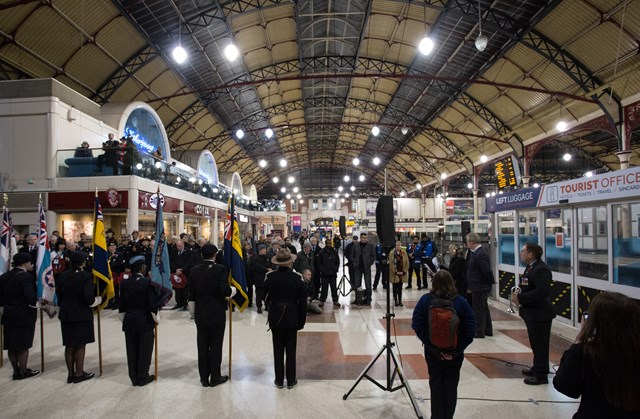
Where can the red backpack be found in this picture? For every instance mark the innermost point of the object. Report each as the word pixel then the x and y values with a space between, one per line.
pixel 443 323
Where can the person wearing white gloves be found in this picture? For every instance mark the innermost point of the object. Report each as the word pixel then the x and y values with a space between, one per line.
pixel 209 291
pixel 76 298
pixel 138 302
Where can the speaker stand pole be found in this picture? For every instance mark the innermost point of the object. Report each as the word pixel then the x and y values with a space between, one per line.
pixel 387 349
pixel 342 285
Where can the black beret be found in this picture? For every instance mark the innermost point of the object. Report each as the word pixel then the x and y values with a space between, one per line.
pixel 77 258
pixel 21 258
pixel 209 249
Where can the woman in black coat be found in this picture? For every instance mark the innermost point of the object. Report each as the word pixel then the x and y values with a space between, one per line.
pixel 76 298
pixel 18 310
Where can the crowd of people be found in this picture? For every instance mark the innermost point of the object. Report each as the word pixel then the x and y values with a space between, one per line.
pixel 292 285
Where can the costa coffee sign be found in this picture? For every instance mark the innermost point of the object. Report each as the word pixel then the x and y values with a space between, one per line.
pixel 197 209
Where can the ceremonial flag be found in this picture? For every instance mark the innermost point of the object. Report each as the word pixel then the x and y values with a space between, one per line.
pixel 46 283
pixel 160 268
pixel 5 241
pixel 233 257
pixel 101 270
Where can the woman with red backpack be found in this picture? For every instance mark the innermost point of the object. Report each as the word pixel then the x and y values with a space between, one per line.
pixel 444 322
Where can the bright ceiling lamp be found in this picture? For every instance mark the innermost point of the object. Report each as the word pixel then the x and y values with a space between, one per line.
pixel 275 179
pixel 353 188
pixel 426 46
pixel 481 40
pixel 376 161
pixel 470 185
pixel 262 163
pixel 588 174
pixel 340 188
pixel 402 193
pixel 283 163
pixel 346 178
pixel 299 196
pixel 375 131
pixel 566 157
pixel 418 186
pixel 336 195
pixel 296 189
pixel 283 189
pixel 346 195
pixel 404 130
pixel 288 196
pixel 239 134
pixel 484 158
pixel 562 126
pixel 268 133
pixel 179 54
pixel 291 179
pixel 356 161
pixel 443 176
pixel 231 52
pixel 361 178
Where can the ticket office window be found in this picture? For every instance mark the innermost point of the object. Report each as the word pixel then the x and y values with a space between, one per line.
pixel 593 242
pixel 557 237
pixel 626 244
pixel 506 238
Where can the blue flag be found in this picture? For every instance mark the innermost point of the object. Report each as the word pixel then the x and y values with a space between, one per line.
pixel 233 257
pixel 46 283
pixel 5 241
pixel 160 270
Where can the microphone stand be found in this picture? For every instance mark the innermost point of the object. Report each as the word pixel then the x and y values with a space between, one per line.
pixel 387 349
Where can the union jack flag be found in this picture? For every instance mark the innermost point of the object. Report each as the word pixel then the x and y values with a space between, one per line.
pixel 46 283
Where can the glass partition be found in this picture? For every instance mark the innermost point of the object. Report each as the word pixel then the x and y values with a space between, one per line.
pixel 506 244
pixel 626 244
pixel 528 227
pixel 593 242
pixel 557 236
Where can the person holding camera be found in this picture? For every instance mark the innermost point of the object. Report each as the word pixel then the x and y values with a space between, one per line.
pixel 287 302
pixel 603 366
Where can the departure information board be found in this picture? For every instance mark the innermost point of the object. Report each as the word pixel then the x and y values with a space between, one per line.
pixel 508 172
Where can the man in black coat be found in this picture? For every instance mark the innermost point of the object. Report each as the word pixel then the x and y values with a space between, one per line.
pixel 138 311
pixel 480 280
pixel 329 263
pixel 209 291
pixel 348 256
pixel 18 311
pixel 181 260
pixel 364 256
pixel 536 310
pixel 259 265
pixel 287 300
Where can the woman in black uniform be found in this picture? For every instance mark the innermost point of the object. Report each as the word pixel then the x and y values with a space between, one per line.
pixel 76 297
pixel 18 310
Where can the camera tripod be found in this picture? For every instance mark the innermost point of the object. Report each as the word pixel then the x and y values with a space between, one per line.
pixel 387 349
pixel 342 285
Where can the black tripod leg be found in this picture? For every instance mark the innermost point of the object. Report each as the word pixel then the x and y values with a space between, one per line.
pixel 364 373
pixel 405 384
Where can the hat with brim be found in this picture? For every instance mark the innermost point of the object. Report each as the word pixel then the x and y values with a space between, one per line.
pixel 21 258
pixel 283 257
pixel 136 260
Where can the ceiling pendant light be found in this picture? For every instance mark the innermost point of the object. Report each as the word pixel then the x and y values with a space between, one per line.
pixel 375 131
pixel 239 134
pixel 481 40
pixel 179 54
pixel 404 130
pixel 376 161
pixel 268 133
pixel 361 178
pixel 484 158
pixel 356 161
pixel 231 52
pixel 283 163
pixel 346 178
pixel 262 163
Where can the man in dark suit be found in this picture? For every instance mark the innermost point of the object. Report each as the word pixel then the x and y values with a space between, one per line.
pixel 480 279
pixel 536 310
pixel 364 255
pixel 181 259
pixel 31 247
pixel 209 290
pixel 138 311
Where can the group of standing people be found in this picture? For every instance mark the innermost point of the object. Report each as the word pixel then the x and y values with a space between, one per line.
pixel 116 152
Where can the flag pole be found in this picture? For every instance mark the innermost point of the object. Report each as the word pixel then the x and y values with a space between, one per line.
pixel 41 318
pixel 230 334
pixel 93 250
pixel 6 200
pixel 156 326
pixel 156 351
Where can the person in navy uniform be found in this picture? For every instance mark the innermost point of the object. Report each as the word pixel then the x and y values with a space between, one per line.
pixel 138 310
pixel 287 302
pixel 76 297
pixel 18 300
pixel 414 252
pixel 536 310
pixel 209 291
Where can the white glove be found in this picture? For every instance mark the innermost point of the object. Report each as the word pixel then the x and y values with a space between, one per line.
pixel 121 315
pixel 39 304
pixel 96 301
pixel 233 292
pixel 192 307
pixel 156 317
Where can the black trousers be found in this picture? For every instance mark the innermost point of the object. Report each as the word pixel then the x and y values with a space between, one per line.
pixel 139 348
pixel 284 342
pixel 259 296
pixel 250 289
pixel 443 382
pixel 181 296
pixel 539 335
pixel 397 292
pixel 329 282
pixel 210 339
pixel 316 283
pixel 480 307
pixel 414 268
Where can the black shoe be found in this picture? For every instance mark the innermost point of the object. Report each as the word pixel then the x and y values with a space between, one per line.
pixel 400 304
pixel 279 385
pixel 528 372
pixel 419 288
pixel 205 383
pixel 84 377
pixel 375 288
pixel 27 374
pixel 291 385
pixel 70 379
pixel 536 381
pixel 185 308
pixel 479 337
pixel 488 334
pixel 151 378
pixel 321 304
pixel 175 307
pixel 259 310
pixel 223 379
pixel 408 287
